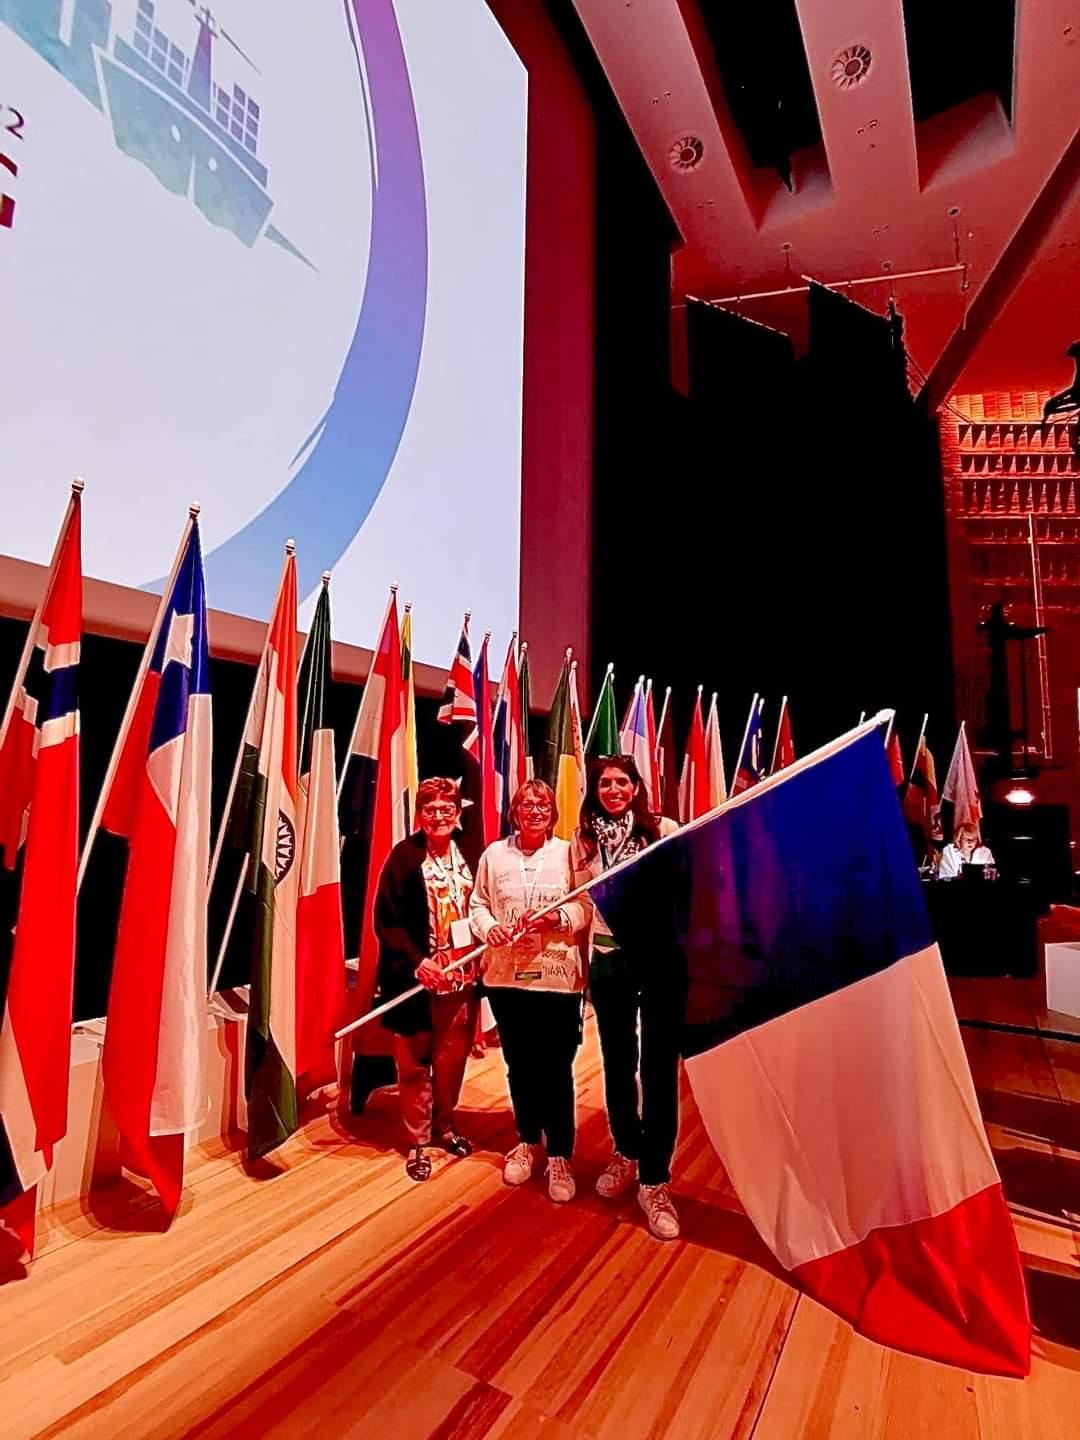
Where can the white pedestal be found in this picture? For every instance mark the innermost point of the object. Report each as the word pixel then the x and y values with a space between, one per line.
pixel 89 1153
pixel 1063 977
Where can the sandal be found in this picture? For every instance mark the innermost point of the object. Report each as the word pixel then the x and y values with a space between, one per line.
pixel 418 1165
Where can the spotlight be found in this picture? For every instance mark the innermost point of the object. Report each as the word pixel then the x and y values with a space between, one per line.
pixel 1019 795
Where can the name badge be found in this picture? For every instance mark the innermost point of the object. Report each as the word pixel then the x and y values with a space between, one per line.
pixel 461 937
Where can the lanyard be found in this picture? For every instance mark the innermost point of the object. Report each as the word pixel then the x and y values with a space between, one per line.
pixel 530 895
pixel 451 876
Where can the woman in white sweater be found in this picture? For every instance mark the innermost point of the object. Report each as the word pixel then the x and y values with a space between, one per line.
pixel 534 974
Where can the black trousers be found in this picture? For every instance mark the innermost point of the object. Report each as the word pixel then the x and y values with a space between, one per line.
pixel 540 1031
pixel 643 1126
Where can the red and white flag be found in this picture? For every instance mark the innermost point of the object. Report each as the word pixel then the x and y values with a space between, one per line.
pixel 159 800
pixel 783 753
pixel 320 938
pixel 39 823
pixel 654 760
pixel 961 787
pixel 714 753
pixel 374 796
pixel 694 797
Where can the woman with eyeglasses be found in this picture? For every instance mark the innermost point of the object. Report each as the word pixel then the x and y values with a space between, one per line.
pixel 421 920
pixel 535 978
pixel 628 989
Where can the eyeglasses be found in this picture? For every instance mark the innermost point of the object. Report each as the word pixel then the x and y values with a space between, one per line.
pixel 439 812
pixel 535 807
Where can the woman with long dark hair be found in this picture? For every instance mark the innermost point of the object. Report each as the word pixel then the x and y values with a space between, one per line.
pixel 626 986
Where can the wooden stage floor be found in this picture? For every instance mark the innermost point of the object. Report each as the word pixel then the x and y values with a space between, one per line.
pixel 330 1296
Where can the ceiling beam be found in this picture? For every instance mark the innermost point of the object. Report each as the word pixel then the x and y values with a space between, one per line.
pixel 1061 190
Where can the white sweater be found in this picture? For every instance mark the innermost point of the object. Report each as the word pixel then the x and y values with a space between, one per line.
pixel 508 883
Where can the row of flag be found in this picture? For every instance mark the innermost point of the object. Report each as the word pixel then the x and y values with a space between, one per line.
pixel 921 798
pixel 156 798
pixel 925 1260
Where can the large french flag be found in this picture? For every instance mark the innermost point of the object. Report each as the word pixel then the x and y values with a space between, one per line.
pixel 825 1056
pixel 39 837
pixel 160 801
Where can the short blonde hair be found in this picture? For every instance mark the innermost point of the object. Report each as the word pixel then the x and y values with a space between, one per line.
pixel 537 790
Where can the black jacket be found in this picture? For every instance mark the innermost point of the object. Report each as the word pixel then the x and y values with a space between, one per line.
pixel 403 926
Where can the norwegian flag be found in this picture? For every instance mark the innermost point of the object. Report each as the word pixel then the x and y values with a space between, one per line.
pixel 159 801
pixel 39 832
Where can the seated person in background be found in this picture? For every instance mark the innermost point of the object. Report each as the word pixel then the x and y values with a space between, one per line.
pixel 965 849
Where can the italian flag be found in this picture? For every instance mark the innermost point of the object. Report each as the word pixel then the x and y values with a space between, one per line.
pixel 263 822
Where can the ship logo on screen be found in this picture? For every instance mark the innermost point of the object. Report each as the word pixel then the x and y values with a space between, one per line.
pixel 199 138
pixel 186 93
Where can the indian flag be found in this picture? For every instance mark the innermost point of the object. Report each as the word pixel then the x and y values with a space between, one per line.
pixel 263 822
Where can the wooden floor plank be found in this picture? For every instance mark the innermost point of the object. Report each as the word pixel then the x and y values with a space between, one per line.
pixel 326 1293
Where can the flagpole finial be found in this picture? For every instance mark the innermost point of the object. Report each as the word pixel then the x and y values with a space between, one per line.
pixel 408 606
pixel 569 651
pixel 514 635
pixel 487 636
pixel 194 509
pixel 393 587
pixel 700 690
pixel 611 667
pixel 468 614
pixel 326 579
pixel 524 646
pixel 78 485
pixel 290 547
pixel 641 679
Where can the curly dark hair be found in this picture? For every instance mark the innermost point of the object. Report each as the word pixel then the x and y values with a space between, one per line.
pixel 645 823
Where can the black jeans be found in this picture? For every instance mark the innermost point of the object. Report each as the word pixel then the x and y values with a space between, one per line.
pixel 540 1031
pixel 622 988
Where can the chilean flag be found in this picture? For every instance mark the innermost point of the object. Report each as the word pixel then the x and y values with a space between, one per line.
pixel 749 767
pixel 39 828
pixel 508 739
pixel 160 801
pixel 825 1057
pixel 635 740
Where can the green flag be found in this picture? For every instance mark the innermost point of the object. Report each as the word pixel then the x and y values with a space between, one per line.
pixel 603 737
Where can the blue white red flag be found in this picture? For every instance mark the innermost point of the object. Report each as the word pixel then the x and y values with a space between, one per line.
pixel 635 740
pixel 39 837
pixel 825 1057
pixel 508 740
pixel 750 766
pixel 160 802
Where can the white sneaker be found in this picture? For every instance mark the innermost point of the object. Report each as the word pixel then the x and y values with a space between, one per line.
pixel 518 1165
pixel 616 1179
pixel 561 1187
pixel 663 1219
